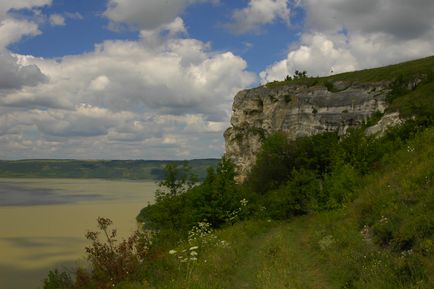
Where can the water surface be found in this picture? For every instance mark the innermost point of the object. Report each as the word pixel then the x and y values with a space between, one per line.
pixel 43 222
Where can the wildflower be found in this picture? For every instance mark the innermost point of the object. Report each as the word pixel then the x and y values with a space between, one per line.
pixel 383 220
pixel 193 253
pixel 194 248
pixel 244 202
pixel 171 252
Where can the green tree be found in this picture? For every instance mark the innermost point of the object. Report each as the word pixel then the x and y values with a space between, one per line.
pixel 177 180
pixel 273 164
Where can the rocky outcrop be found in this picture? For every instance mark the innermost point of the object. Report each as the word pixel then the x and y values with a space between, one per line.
pixel 297 110
pixel 387 121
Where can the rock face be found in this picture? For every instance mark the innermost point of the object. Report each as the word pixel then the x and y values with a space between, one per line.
pixel 297 110
pixel 386 122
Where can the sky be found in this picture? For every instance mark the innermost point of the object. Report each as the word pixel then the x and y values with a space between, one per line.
pixel 155 79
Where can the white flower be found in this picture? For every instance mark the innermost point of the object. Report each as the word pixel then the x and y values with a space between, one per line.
pixel 244 202
pixel 171 252
pixel 193 253
pixel 194 248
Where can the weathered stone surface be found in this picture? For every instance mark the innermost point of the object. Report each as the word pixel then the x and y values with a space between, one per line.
pixel 297 110
pixel 387 121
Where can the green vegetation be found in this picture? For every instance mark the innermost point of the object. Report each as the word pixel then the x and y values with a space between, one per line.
pixel 320 212
pixel 116 169
pixel 214 200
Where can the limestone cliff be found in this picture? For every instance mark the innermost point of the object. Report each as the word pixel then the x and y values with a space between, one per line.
pixel 298 110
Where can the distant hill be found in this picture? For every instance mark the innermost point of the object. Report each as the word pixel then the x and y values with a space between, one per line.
pixel 104 169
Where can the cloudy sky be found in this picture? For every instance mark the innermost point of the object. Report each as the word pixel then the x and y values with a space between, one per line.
pixel 155 79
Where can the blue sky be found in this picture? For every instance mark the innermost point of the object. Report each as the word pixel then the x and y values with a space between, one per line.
pixel 204 21
pixel 155 79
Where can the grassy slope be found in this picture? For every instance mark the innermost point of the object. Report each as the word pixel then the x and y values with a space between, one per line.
pixel 328 250
pixel 386 73
pixel 361 246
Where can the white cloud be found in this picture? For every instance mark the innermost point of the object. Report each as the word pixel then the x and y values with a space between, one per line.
pixel 74 16
pixel 14 75
pixel 57 20
pixel 12 30
pixel 146 14
pixel 317 54
pixel 5 6
pixel 158 97
pixel 399 18
pixel 344 35
pixel 258 13
pixel 100 83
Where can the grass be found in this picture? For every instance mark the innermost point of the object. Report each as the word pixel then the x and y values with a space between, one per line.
pixel 386 73
pixel 384 240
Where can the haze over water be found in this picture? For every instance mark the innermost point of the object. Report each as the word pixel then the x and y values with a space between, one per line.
pixel 43 222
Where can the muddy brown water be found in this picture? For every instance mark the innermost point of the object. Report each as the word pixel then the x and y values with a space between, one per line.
pixel 43 222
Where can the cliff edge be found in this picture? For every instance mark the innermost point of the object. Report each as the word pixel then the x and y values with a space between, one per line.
pixel 298 110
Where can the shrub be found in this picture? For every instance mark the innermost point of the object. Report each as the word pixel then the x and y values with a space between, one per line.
pixel 213 200
pixel 297 197
pixel 273 164
pixel 339 187
pixel 279 157
pixel 58 280
pixel 111 261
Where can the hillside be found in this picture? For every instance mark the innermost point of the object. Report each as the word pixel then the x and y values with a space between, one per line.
pixel 112 169
pixel 384 239
pixel 325 210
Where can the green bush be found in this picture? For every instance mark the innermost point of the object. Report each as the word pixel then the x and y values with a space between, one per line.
pixel 214 200
pixel 297 197
pixel 58 280
pixel 339 187
pixel 273 164
pixel 279 157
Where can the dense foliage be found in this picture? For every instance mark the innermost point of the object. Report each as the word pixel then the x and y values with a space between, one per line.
pixel 213 200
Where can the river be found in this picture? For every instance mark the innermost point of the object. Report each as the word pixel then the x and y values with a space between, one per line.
pixel 43 222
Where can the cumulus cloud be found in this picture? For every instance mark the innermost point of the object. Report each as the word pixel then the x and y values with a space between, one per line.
pixel 14 75
pixel 6 6
pixel 258 13
pixel 12 30
pixel 162 96
pixel 398 18
pixel 317 54
pixel 146 14
pixel 344 35
pixel 57 20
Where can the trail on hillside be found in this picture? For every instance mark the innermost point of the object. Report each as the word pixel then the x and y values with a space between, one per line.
pixel 278 259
